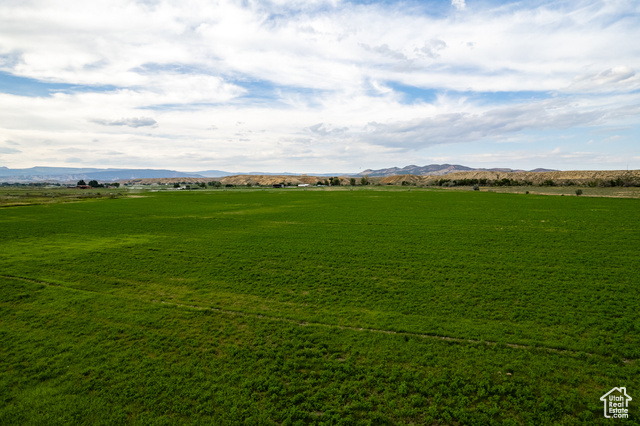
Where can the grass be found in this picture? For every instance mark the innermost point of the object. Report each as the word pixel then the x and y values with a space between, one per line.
pixel 25 196
pixel 186 307
pixel 615 192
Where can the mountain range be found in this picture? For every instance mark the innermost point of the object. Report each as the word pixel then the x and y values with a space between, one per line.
pixel 439 170
pixel 73 174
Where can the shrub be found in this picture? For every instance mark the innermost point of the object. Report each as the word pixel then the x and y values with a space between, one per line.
pixel 578 191
pixel 476 187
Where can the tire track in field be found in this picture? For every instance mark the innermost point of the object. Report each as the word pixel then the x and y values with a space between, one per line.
pixel 318 324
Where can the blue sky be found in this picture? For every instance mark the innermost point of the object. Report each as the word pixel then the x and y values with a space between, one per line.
pixel 319 85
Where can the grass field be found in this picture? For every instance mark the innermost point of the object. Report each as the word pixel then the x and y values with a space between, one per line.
pixel 319 307
pixel 25 196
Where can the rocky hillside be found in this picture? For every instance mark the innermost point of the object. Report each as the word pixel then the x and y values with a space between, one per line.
pixel 238 180
pixel 270 179
pixel 559 178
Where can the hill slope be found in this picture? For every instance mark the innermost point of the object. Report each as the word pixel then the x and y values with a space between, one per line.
pixel 435 170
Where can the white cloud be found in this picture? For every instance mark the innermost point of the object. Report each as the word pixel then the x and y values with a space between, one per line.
pixel 130 122
pixel 7 150
pixel 316 71
pixel 459 4
pixel 618 78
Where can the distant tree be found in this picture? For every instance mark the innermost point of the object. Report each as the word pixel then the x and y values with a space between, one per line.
pixel 352 181
pixel 116 184
pixel 326 182
pixel 476 187
pixel 202 185
pixel 81 182
pixel 176 185
pixel 335 181
pixel 94 184
pixel 364 180
pixel 249 185
pixel 578 191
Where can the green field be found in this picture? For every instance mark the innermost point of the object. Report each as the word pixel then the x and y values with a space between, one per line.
pixel 319 307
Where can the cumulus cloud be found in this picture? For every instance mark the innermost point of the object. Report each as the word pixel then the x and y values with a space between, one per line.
pixel 619 77
pixel 130 122
pixel 432 48
pixel 385 50
pixel 459 4
pixel 326 130
pixel 453 128
pixel 288 68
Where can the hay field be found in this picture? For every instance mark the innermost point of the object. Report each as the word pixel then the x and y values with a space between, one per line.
pixel 318 307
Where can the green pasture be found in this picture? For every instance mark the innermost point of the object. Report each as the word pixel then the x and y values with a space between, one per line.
pixel 245 307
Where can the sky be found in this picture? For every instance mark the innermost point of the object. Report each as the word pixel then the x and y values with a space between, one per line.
pixel 316 86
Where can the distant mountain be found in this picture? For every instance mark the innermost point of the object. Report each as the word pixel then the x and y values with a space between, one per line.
pixel 73 174
pixel 437 170
pixel 214 173
pixel 70 174
pixel 46 171
pixel 220 173
pixel 113 175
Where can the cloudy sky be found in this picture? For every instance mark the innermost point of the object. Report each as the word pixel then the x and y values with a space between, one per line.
pixel 319 85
